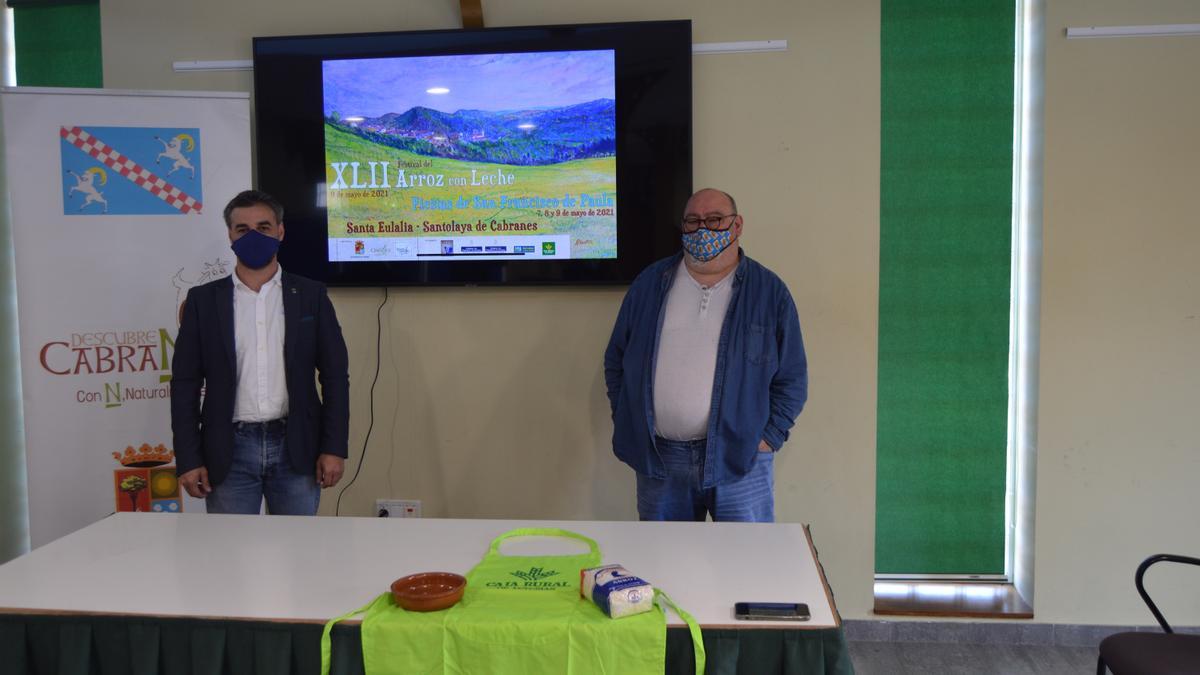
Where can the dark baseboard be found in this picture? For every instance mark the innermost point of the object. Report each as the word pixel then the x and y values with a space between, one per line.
pixel 990 632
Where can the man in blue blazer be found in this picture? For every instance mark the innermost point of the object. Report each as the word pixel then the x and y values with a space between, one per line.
pixel 247 420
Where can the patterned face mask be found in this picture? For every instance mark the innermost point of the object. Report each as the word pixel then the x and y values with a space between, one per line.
pixel 704 245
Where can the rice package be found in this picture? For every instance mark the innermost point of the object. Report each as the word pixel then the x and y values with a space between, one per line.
pixel 615 591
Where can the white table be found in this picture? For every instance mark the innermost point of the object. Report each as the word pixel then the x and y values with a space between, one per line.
pixel 311 569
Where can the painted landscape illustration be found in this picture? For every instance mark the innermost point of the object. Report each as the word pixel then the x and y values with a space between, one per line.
pixel 517 138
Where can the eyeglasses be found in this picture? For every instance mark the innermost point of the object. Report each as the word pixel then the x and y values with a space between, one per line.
pixel 692 223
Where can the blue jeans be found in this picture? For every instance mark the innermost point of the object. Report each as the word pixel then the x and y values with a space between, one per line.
pixel 262 468
pixel 679 496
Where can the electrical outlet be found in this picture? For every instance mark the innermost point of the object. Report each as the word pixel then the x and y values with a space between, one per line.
pixel 398 508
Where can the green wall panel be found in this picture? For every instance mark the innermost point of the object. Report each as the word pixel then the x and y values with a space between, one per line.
pixel 58 45
pixel 944 285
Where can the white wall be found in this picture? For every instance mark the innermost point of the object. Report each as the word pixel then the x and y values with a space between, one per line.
pixel 1119 443
pixel 490 402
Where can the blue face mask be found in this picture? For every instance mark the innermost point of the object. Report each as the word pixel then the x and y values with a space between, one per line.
pixel 704 245
pixel 255 249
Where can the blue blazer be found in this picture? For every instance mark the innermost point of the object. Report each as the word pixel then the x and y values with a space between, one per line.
pixel 205 359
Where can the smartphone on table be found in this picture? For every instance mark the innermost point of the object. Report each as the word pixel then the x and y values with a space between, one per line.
pixel 771 611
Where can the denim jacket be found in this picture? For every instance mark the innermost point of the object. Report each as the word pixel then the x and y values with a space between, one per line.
pixel 760 382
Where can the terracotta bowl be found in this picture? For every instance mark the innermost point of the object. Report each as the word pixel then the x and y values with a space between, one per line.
pixel 428 591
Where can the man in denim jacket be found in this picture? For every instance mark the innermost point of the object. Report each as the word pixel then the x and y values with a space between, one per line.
pixel 706 374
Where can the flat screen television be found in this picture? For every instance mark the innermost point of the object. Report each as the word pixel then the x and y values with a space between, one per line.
pixel 528 155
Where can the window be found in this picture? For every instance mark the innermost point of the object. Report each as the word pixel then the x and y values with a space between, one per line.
pixel 946 279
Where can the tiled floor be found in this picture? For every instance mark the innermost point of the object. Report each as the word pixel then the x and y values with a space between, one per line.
pixel 928 658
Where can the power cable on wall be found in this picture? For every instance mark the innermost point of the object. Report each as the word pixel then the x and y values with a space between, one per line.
pixel 362 459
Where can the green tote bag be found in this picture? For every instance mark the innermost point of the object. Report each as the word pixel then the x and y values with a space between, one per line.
pixel 521 615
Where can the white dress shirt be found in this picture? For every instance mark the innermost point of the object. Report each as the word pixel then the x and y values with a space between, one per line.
pixel 258 339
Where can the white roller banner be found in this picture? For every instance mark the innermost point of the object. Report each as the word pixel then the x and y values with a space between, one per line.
pixel 116 202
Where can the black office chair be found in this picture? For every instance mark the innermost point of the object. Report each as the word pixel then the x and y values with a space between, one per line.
pixel 1165 653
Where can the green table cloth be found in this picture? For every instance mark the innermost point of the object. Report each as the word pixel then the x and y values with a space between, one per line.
pixel 73 644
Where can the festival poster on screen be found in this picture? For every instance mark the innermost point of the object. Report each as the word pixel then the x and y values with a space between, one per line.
pixel 471 157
